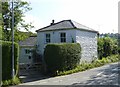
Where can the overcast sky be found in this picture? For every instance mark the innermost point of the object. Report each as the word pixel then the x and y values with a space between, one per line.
pixel 101 15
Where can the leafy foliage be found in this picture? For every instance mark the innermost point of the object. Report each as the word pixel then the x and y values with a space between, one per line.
pixel 107 46
pixel 119 50
pixel 119 44
pixel 97 63
pixel 19 36
pixel 61 57
pixel 100 47
pixel 13 81
pixel 19 9
pixel 1 29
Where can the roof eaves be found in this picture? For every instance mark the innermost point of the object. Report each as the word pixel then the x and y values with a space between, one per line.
pixel 56 29
pixel 87 30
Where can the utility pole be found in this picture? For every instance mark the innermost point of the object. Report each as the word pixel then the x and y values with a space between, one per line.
pixel 13 71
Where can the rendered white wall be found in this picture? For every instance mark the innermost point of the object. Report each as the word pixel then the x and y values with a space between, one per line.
pixel 55 38
pixel 23 57
pixel 88 42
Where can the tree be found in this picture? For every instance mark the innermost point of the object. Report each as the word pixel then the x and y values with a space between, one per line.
pixel 107 46
pixel 100 47
pixel 1 29
pixel 19 9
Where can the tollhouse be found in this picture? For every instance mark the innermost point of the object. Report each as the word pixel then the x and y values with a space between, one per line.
pixel 69 31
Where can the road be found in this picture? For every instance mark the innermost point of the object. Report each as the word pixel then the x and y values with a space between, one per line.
pixel 105 75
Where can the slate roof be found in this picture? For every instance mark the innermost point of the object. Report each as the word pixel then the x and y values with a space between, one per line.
pixel 31 41
pixel 66 24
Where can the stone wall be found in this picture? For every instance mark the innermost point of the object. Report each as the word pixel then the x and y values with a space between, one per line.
pixel 88 42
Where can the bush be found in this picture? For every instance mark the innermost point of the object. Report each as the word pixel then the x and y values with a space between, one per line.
pixel 100 47
pixel 107 46
pixel 62 57
pixel 13 81
pixel 119 50
pixel 7 60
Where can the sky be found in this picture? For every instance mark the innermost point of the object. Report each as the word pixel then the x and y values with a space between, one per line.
pixel 100 15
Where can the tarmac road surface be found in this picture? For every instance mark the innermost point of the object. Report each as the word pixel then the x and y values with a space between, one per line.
pixel 106 75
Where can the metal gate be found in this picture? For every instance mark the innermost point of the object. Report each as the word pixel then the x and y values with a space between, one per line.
pixel 27 71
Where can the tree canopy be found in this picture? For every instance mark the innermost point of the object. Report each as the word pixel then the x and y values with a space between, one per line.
pixel 20 8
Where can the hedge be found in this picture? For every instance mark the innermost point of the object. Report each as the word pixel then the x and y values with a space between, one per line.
pixel 7 60
pixel 62 57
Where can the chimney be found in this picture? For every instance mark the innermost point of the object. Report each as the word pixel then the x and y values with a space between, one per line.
pixel 52 22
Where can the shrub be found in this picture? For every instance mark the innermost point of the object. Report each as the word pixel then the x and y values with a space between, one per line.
pixel 97 63
pixel 119 50
pixel 13 81
pixel 62 57
pixel 100 47
pixel 7 60
pixel 107 46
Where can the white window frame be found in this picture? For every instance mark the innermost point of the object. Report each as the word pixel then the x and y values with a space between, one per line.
pixel 63 37
pixel 27 51
pixel 47 39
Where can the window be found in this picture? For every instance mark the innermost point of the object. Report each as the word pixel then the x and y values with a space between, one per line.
pixel 27 51
pixel 63 37
pixel 47 38
pixel 29 57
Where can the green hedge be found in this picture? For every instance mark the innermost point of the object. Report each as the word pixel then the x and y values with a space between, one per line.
pixel 119 50
pixel 7 60
pixel 62 57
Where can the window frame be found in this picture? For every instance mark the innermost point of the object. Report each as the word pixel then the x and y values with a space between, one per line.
pixel 63 37
pixel 27 51
pixel 47 38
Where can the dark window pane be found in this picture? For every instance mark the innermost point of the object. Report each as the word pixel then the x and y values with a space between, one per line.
pixel 29 57
pixel 63 37
pixel 26 51
pixel 47 38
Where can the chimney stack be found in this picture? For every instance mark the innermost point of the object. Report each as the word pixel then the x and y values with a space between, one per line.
pixel 52 22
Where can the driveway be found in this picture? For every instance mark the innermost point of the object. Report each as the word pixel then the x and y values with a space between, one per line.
pixel 105 75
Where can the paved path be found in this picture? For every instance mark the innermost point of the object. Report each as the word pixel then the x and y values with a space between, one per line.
pixel 105 75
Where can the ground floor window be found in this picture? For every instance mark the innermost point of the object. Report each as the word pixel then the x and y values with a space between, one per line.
pixel 27 51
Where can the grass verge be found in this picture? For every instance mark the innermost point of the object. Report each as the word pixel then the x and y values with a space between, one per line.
pixel 9 82
pixel 95 63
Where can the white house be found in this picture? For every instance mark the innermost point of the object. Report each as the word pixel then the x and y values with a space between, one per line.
pixel 68 31
pixel 25 52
